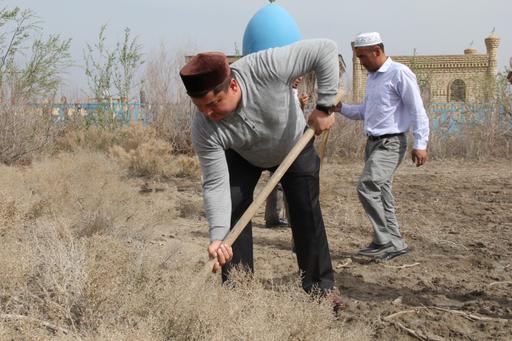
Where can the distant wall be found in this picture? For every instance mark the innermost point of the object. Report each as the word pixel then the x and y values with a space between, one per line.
pixel 445 78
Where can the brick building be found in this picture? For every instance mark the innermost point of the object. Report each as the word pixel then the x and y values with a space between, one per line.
pixel 468 77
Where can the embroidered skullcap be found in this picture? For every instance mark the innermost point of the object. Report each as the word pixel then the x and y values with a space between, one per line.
pixel 367 39
pixel 204 72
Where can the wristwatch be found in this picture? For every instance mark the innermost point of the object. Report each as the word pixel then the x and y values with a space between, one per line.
pixel 325 109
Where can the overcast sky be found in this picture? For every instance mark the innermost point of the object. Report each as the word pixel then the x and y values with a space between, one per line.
pixel 432 27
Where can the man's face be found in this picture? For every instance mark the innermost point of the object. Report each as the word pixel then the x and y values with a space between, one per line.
pixel 368 56
pixel 220 105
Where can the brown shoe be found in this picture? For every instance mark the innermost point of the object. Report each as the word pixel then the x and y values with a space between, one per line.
pixel 335 301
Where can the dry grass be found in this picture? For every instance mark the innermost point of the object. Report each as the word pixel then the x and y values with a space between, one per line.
pixel 346 140
pixel 489 139
pixel 167 103
pixel 138 149
pixel 144 154
pixel 78 261
pixel 81 136
pixel 172 123
pixel 24 132
pixel 87 254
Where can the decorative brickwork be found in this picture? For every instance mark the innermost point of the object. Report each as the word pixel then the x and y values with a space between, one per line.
pixel 445 78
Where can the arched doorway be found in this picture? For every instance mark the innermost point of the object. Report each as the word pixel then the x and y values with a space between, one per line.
pixel 457 91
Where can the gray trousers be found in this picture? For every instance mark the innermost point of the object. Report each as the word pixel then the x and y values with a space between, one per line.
pixel 382 158
pixel 276 207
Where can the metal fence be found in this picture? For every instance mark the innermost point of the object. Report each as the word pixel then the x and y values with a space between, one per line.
pixel 452 116
pixel 124 112
pixel 449 117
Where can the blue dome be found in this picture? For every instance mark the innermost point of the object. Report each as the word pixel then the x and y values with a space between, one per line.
pixel 270 27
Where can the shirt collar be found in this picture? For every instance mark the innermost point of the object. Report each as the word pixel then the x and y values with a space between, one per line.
pixel 385 67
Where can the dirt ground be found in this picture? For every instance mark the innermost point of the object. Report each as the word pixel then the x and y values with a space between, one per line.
pixel 457 219
pixel 457 281
pixel 123 243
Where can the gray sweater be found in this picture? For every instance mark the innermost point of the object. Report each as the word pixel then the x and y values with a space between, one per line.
pixel 267 123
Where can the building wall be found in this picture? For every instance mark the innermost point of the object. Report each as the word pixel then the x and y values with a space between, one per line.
pixel 437 73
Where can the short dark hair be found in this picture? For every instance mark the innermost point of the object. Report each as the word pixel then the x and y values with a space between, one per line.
pixel 381 45
pixel 224 86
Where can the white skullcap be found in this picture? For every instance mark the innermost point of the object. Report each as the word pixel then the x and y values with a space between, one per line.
pixel 367 39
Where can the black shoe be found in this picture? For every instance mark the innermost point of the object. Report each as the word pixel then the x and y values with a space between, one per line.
pixel 375 250
pixel 280 223
pixel 392 254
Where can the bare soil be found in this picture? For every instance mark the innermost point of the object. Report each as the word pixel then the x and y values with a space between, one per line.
pixel 457 281
pixel 107 253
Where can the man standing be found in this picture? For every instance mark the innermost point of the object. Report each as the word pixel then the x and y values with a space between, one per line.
pixel 391 106
pixel 248 121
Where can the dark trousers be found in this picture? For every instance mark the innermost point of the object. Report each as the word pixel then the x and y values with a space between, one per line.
pixel 301 185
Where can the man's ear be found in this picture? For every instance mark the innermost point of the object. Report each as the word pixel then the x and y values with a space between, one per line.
pixel 233 85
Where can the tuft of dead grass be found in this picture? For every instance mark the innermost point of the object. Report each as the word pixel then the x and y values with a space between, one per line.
pixel 146 155
pixel 189 208
pixel 80 260
pixel 488 139
pixel 99 287
pixel 24 132
pixel 80 136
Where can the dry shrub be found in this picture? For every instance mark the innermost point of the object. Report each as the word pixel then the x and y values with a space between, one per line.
pixel 487 139
pixel 24 132
pixel 249 310
pixel 346 140
pixel 190 208
pixel 168 106
pixel 16 201
pixel 147 160
pixel 58 275
pixel 101 287
pixel 187 166
pixel 144 154
pixel 80 136
pixel 490 138
pixel 46 287
pixel 85 190
pixel 173 123
pixel 8 213
pixel 113 279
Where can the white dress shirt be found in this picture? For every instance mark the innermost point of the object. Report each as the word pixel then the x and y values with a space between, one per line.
pixel 392 104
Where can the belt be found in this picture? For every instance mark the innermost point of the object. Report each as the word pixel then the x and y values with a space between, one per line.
pixel 376 138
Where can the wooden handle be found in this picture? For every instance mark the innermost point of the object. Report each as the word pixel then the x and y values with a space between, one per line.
pixel 265 192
